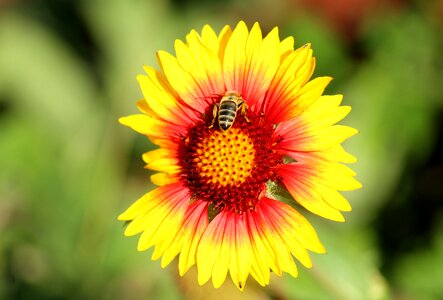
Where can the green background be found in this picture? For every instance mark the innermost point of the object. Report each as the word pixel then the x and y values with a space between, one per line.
pixel 67 168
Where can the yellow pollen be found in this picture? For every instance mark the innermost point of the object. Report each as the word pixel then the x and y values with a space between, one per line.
pixel 225 158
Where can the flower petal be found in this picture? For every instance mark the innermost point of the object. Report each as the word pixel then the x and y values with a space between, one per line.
pixel 157 215
pixel 196 228
pixel 299 185
pixel 186 238
pixel 314 129
pixel 234 60
pixel 157 200
pixel 286 47
pixel 210 39
pixel 203 64
pixel 249 67
pixel 162 99
pixel 161 222
pixel 161 179
pixel 157 154
pixel 333 154
pixel 295 224
pixel 162 160
pixel 241 260
pixel 282 254
pixel 285 88
pixel 223 38
pixel 209 247
pixel 263 59
pixel 224 246
pixel 314 186
pixel 182 82
pixel 156 129
pixel 315 140
pixel 149 200
pixel 309 93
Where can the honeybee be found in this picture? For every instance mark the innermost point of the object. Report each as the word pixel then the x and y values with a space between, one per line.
pixel 226 110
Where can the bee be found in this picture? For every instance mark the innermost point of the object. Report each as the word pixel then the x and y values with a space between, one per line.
pixel 226 110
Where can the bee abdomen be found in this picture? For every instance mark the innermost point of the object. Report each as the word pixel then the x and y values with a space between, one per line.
pixel 228 106
pixel 226 120
pixel 225 125
pixel 227 114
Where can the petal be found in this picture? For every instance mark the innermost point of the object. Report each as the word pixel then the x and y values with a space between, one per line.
pixel 284 90
pixel 286 47
pixel 223 38
pixel 149 200
pixel 196 228
pixel 296 138
pixel 314 186
pixel 157 200
pixel 314 129
pixel 241 252
pixel 337 176
pixel 224 246
pixel 209 247
pixel 152 127
pixel 309 93
pixel 333 197
pixel 185 240
pixel 333 154
pixel 264 256
pixel 282 254
pixel 221 265
pixel 182 82
pixel 143 107
pixel 288 239
pixel 250 62
pixel 263 59
pixel 203 64
pixel 301 229
pixel 158 215
pixel 157 154
pixel 264 249
pixel 161 179
pixel 234 60
pixel 162 160
pixel 162 99
pixel 299 184
pixel 283 233
pixel 166 165
pixel 325 111
pixel 162 222
pixel 210 39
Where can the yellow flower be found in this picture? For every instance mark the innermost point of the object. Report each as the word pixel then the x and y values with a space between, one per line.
pixel 231 113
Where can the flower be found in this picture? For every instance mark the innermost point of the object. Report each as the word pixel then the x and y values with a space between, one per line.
pixel 235 114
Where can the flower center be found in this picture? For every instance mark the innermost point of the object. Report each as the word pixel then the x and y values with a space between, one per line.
pixel 225 157
pixel 229 168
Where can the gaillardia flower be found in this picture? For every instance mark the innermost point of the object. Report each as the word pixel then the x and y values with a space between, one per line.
pixel 234 116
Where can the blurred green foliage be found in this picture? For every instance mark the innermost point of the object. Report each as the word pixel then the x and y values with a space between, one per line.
pixel 67 72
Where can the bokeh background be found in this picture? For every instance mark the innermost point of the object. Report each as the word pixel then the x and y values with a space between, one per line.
pixel 67 168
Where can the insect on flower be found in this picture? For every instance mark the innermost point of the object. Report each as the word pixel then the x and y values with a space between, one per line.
pixel 216 205
pixel 226 110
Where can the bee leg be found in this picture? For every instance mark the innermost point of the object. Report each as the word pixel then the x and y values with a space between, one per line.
pixel 244 108
pixel 215 114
